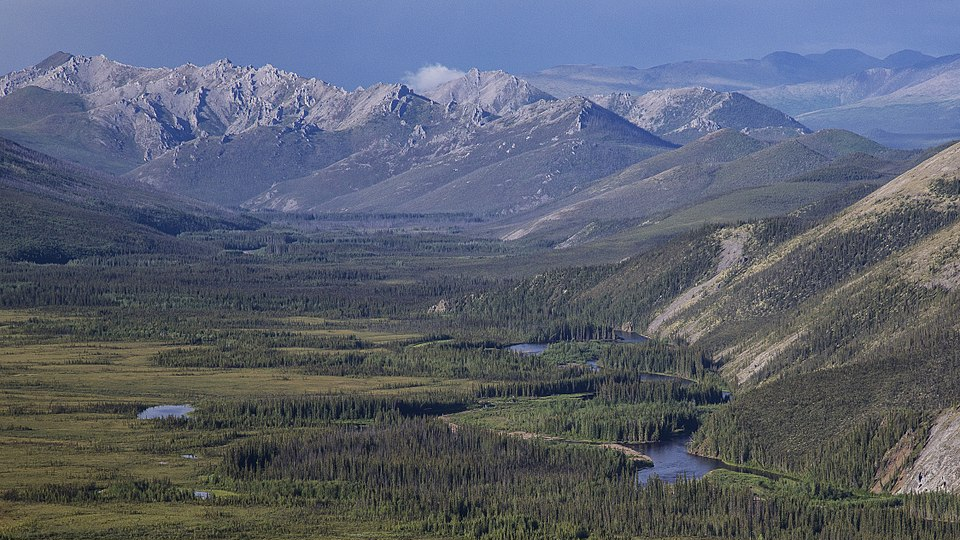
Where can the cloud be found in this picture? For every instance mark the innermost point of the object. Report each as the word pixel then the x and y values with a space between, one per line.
pixel 431 76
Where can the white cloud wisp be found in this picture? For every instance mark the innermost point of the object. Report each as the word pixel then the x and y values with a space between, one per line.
pixel 430 76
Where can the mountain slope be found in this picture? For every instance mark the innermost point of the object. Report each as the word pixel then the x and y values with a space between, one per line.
pixel 908 195
pixel 827 163
pixel 55 212
pixel 543 151
pixel 855 320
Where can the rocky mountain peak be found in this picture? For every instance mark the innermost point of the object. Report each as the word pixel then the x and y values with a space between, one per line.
pixel 496 92
pixel 74 74
pixel 681 115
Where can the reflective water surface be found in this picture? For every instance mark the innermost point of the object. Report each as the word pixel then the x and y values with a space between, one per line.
pixel 166 411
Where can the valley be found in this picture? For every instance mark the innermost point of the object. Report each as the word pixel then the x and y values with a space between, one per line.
pixel 238 302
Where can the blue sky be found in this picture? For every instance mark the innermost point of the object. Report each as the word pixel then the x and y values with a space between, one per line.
pixel 360 42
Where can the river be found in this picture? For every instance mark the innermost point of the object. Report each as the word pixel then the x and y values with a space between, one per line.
pixel 672 461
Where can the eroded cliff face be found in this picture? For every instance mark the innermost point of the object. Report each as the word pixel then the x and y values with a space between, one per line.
pixel 937 468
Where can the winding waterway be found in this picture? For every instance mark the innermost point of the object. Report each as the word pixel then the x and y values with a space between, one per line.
pixel 670 457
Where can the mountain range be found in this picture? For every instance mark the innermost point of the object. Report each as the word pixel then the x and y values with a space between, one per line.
pixel 531 165
pixel 488 142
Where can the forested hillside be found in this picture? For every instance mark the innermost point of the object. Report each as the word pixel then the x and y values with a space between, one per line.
pixel 55 212
pixel 838 334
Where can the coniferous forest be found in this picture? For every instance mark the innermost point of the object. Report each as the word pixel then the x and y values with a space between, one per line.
pixel 329 397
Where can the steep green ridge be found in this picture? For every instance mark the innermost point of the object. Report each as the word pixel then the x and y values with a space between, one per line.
pixel 55 212
pixel 837 323
pixel 718 172
pixel 844 337
pixel 56 123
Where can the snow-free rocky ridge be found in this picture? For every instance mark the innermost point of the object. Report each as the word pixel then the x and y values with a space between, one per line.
pixel 488 142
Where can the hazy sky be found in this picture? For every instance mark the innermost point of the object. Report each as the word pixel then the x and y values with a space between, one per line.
pixel 359 42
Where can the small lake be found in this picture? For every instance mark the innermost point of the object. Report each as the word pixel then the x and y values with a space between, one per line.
pixel 672 461
pixel 529 348
pixel 538 348
pixel 166 411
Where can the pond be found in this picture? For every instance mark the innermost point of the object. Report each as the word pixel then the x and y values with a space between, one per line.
pixel 538 348
pixel 529 348
pixel 166 411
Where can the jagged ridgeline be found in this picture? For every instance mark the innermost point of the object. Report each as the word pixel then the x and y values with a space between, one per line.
pixel 521 162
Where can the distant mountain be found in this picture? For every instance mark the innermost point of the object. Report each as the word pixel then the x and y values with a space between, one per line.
pixel 494 92
pixel 487 143
pixel 231 134
pixel 811 96
pixel 153 110
pixel 392 130
pixel 54 212
pixel 907 100
pixel 905 107
pixel 775 69
pixel 682 115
